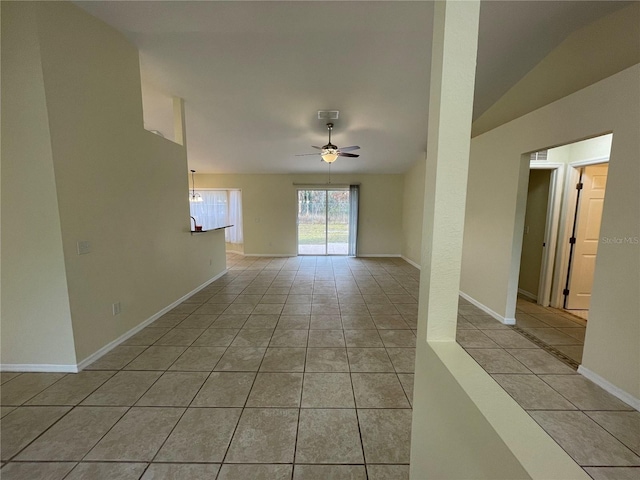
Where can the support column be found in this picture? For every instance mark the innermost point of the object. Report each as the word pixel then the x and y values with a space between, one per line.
pixel 453 64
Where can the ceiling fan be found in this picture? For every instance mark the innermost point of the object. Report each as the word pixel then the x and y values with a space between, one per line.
pixel 331 152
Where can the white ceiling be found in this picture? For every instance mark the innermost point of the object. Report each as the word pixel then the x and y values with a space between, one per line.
pixel 254 73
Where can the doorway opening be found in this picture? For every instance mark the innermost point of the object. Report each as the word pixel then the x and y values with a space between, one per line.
pixel 327 221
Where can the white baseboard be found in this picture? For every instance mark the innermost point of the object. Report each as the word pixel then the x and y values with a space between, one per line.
pixel 38 367
pixel 610 387
pixel 378 255
pixel 529 295
pixel 410 262
pixel 111 345
pixel 484 308
pixel 237 252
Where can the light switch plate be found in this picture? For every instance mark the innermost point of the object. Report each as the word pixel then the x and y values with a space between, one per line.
pixel 84 247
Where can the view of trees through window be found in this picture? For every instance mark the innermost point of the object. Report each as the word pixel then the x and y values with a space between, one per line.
pixel 323 222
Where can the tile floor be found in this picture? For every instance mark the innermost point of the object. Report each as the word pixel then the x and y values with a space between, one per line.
pixel 298 368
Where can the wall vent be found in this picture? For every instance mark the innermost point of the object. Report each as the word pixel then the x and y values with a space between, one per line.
pixel 328 114
pixel 539 156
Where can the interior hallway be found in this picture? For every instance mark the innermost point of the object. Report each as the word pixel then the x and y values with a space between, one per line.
pixel 286 368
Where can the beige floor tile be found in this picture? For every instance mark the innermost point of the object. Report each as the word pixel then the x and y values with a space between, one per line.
pixel 497 360
pixel 378 390
pixel 74 435
pixel 201 435
pixel 4 411
pixel 386 435
pixel 146 336
pixel 137 436
pixel 156 358
pixel 23 425
pixel 180 337
pixel 36 471
pixel 239 309
pixel 469 310
pixel 169 320
pixel 262 321
pixel 184 308
pixel 116 358
pixel 524 320
pixel 255 472
pixel 572 351
pixel 6 376
pixel 539 361
pixel 463 324
pixel 556 320
pixel 325 322
pixel 584 440
pixel 357 322
pixel 362 338
pixel 264 435
pixel 532 393
pixel 350 298
pixel 369 360
pixel 198 359
pixel 107 471
pixel 325 309
pixel 296 309
pixel 357 310
pixel 181 471
pixel 253 337
pixel 328 436
pixel 215 306
pixel 268 309
pixel 329 472
pixel 195 321
pixel 388 472
pixel 123 389
pixel 327 360
pixel 406 380
pixel 403 359
pixel 276 390
pixel 248 298
pixel 577 333
pixel 241 359
pixel 326 338
pixel 71 389
pixel 613 473
pixel 294 322
pixel 583 393
pixel 327 390
pixel 380 309
pixel 390 322
pixel 24 387
pixel 230 321
pixel 283 359
pixel 216 337
pixel 625 426
pixel 225 389
pixel 509 339
pixel 552 336
pixel 398 338
pixel 173 389
pixel 289 338
pixel 274 299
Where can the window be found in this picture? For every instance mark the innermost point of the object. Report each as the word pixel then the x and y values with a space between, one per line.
pixel 217 209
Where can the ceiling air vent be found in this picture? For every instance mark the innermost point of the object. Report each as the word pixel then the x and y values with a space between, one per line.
pixel 539 156
pixel 328 114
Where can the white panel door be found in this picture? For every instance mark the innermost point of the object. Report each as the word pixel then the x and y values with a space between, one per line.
pixel 583 262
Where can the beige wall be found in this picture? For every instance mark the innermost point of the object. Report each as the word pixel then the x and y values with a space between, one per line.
pixel 35 312
pixel 412 209
pixel 269 210
pixel 117 186
pixel 592 53
pixel 496 206
pixel 534 229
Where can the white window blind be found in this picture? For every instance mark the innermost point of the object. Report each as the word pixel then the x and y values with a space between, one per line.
pixel 218 209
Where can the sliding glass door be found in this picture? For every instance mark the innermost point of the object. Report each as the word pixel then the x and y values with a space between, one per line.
pixel 323 221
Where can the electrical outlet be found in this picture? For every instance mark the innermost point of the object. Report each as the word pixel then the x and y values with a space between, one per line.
pixel 116 308
pixel 84 247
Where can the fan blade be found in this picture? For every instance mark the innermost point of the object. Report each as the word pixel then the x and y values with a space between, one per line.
pixel 313 146
pixel 348 155
pixel 305 154
pixel 349 149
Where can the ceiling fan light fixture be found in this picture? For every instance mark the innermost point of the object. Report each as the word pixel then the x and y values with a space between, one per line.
pixel 329 153
pixel 193 196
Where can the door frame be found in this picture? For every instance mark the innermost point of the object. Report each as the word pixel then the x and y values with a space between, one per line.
pixel 566 227
pixel 551 227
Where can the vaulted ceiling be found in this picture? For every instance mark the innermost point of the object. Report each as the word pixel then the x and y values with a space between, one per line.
pixel 254 73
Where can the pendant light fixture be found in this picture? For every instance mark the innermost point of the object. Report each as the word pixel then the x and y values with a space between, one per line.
pixel 194 197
